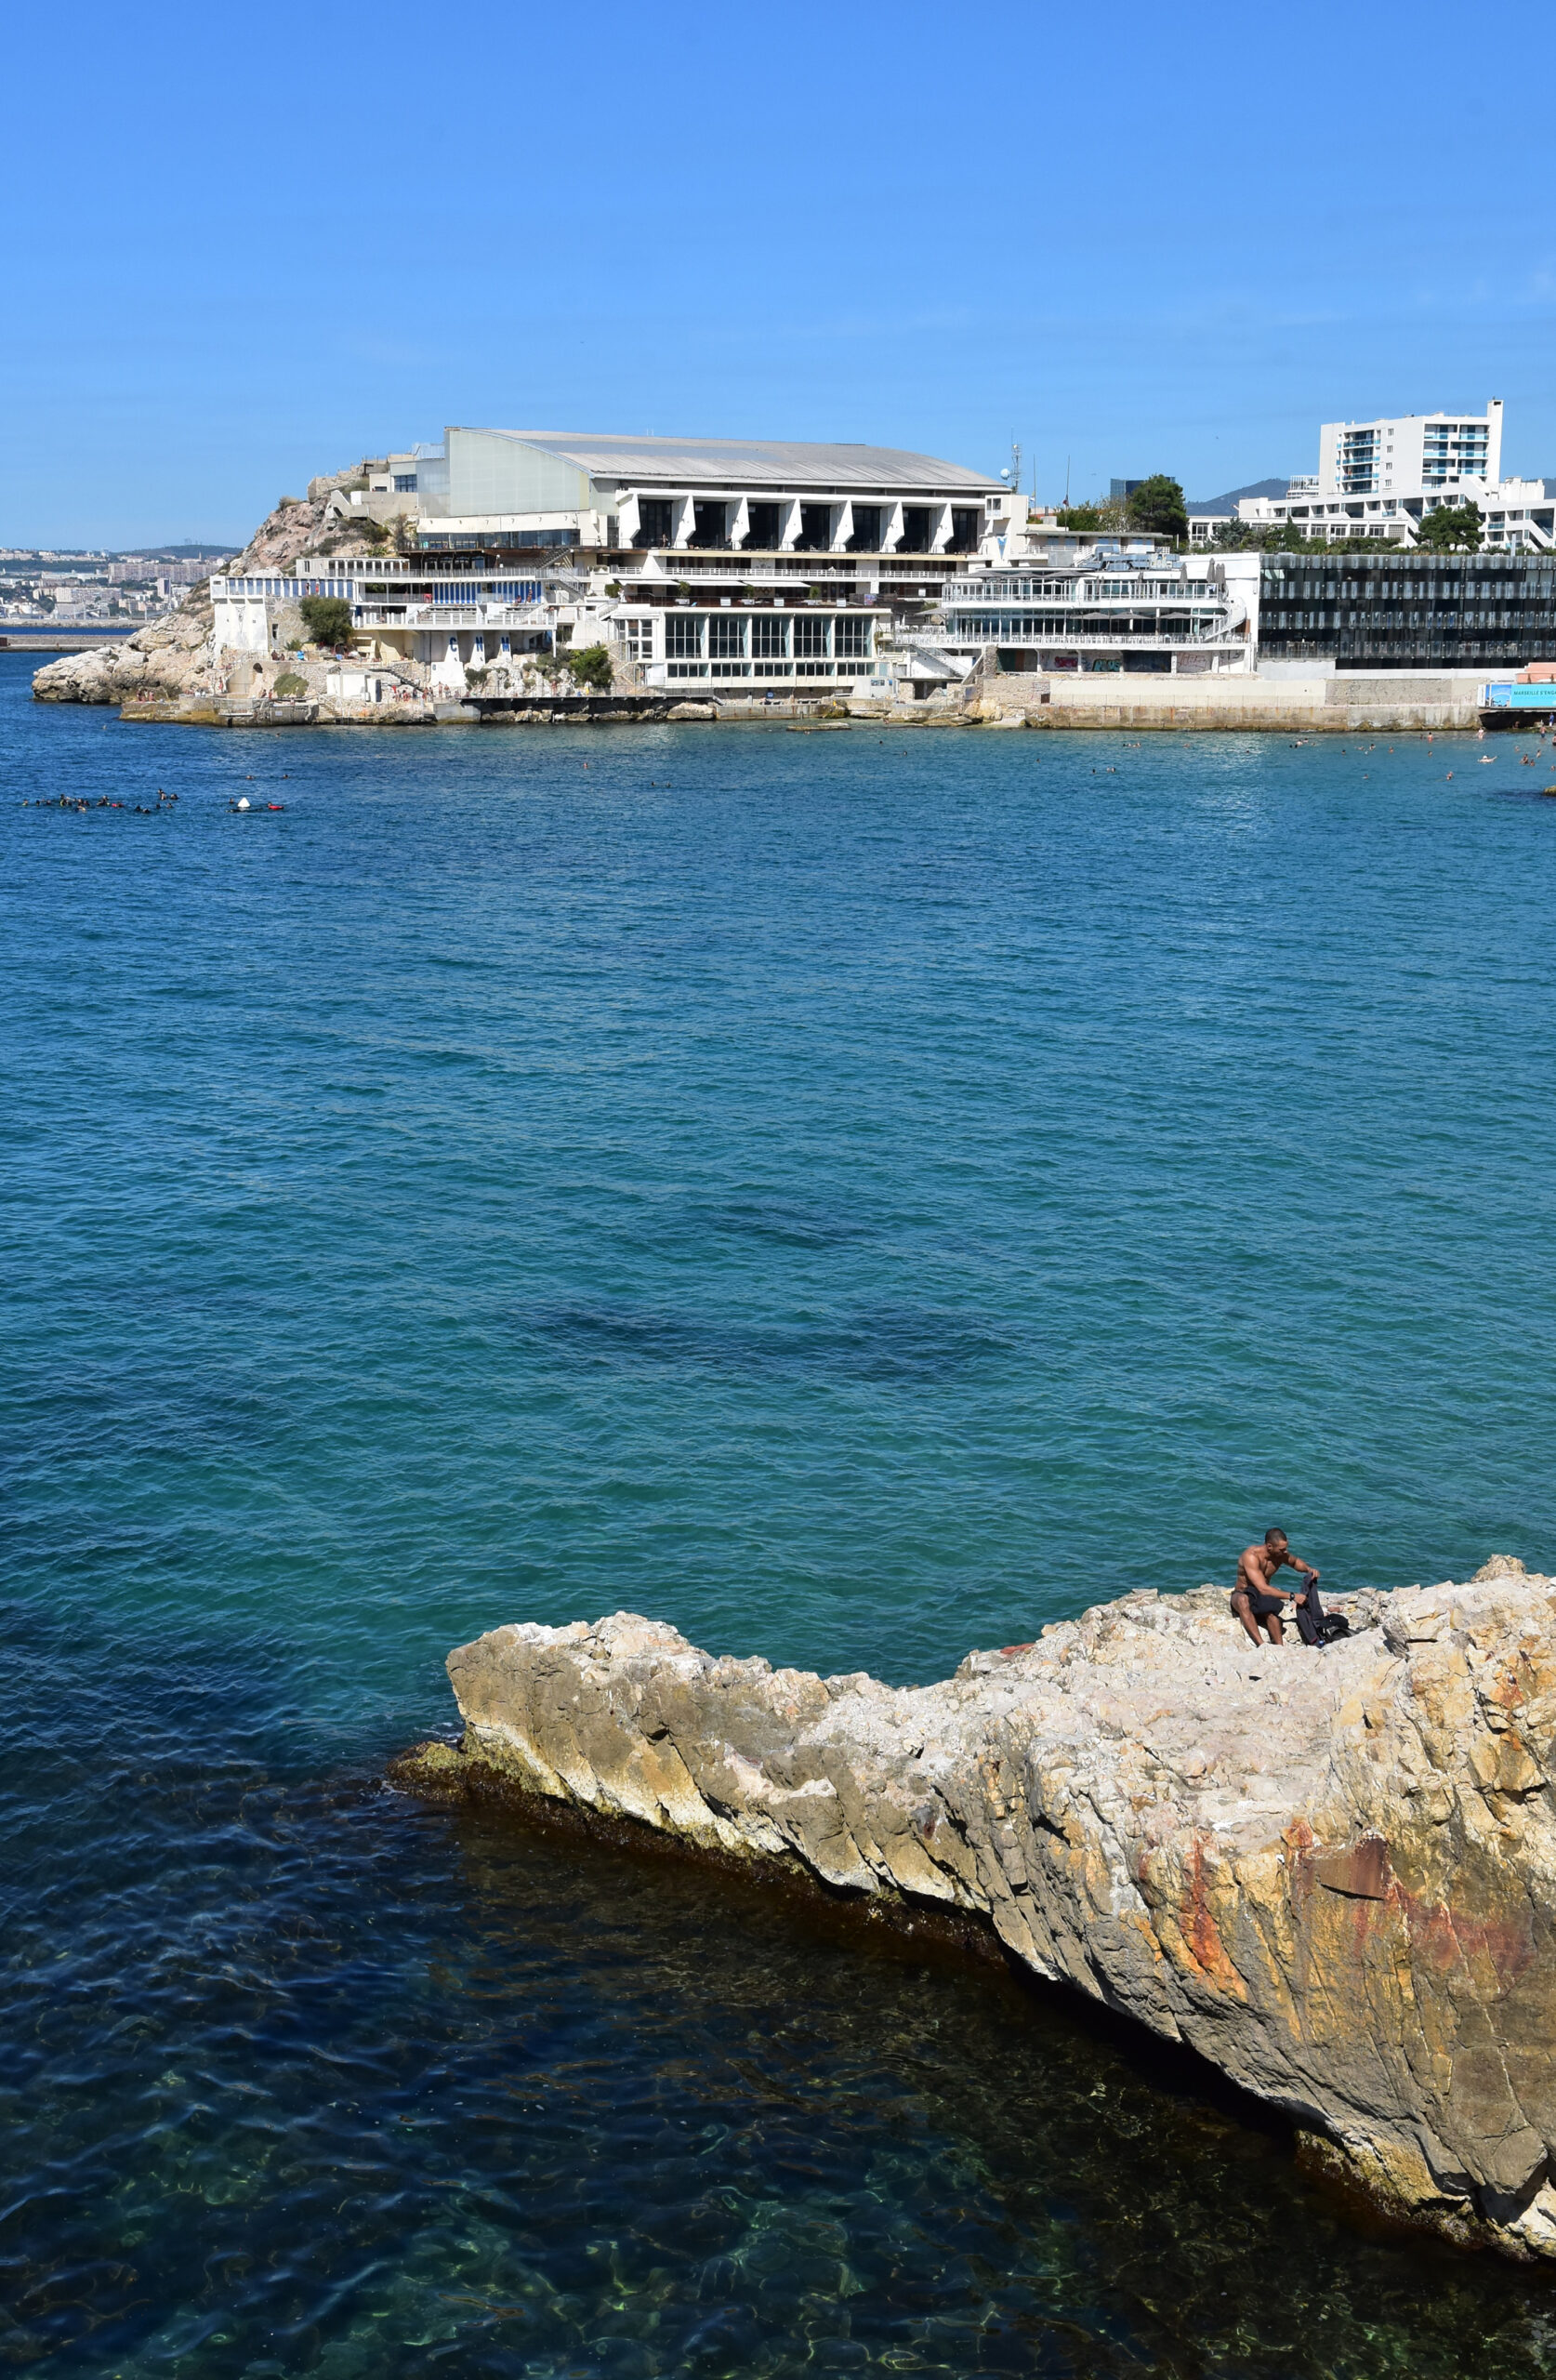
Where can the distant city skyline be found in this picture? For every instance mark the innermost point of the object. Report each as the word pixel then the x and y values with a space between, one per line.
pixel 1121 242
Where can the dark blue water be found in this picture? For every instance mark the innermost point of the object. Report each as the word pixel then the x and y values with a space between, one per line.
pixel 855 1196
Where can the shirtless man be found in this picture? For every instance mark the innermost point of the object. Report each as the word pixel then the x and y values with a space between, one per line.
pixel 1253 1599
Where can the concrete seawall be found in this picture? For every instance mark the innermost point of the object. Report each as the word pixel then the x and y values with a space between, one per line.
pixel 1317 705
pixel 1320 704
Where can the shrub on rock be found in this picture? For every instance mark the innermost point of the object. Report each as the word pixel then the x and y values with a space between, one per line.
pixel 327 620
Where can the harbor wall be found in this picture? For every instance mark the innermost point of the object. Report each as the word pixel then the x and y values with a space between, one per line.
pixel 1319 706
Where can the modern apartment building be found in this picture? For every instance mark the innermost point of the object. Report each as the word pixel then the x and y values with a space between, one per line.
pixel 1379 478
pixel 1417 454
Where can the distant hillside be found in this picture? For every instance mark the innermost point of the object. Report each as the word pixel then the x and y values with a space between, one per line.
pixel 1228 502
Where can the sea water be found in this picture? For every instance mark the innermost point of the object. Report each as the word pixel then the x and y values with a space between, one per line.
pixel 855 1196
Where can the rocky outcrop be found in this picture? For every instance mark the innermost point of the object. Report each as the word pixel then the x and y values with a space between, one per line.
pixel 1331 1873
pixel 170 659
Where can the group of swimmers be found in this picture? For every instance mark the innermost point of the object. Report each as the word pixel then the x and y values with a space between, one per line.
pixel 76 801
pixel 156 809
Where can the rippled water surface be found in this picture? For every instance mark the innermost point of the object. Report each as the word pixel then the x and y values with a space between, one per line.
pixel 854 1196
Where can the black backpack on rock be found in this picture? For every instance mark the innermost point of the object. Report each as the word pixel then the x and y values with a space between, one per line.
pixel 1315 1625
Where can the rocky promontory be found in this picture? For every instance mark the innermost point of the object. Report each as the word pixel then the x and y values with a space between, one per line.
pixel 170 659
pixel 1331 1873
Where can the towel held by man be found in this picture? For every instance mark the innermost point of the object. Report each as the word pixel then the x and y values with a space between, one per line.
pixel 1256 1600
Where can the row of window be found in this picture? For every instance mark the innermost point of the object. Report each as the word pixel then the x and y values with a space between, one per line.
pixel 842 668
pixel 292 587
pixel 1498 582
pixel 1455 629
pixel 768 636
pixel 1336 615
pixel 1182 588
pixel 497 539
pixel 1072 591
pixel 460 591
pixel 988 627
pixel 1504 654
pixel 508 591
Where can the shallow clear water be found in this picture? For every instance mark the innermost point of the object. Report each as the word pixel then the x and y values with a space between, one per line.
pixel 855 1196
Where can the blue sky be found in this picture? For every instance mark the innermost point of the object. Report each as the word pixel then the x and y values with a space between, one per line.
pixel 244 249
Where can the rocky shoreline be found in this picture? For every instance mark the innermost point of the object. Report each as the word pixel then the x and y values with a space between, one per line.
pixel 166 670
pixel 1331 1874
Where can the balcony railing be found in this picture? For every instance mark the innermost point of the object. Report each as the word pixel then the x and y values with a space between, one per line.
pixel 686 562
pixel 989 593
pixel 449 615
pixel 1145 641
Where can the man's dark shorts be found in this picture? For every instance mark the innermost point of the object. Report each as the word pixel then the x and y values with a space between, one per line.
pixel 1261 1607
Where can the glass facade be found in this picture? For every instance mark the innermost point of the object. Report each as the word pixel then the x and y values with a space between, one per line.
pixel 1408 611
pixel 765 645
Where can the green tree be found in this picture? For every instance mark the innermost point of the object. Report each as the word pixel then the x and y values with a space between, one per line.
pixel 1101 513
pixel 1453 528
pixel 1157 506
pixel 327 620
pixel 590 667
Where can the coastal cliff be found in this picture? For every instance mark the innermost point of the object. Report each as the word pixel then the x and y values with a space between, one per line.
pixel 170 659
pixel 1330 1873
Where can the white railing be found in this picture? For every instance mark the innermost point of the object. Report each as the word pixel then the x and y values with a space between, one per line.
pixel 1075 633
pixel 989 593
pixel 450 615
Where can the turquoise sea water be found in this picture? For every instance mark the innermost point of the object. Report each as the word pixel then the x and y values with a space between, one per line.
pixel 855 1196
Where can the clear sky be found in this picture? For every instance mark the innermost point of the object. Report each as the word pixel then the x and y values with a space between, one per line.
pixel 241 248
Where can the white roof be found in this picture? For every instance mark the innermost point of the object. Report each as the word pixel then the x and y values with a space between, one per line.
pixel 732 462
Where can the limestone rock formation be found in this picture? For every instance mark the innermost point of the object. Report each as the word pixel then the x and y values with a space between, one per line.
pixel 1332 1873
pixel 171 658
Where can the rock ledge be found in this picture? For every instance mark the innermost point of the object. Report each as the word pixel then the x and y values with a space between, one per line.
pixel 1331 1874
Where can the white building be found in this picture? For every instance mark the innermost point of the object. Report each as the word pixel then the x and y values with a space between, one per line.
pixel 1125 604
pixel 1418 454
pixel 714 564
pixel 444 619
pixel 1379 478
pixel 623 492
pixel 448 617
